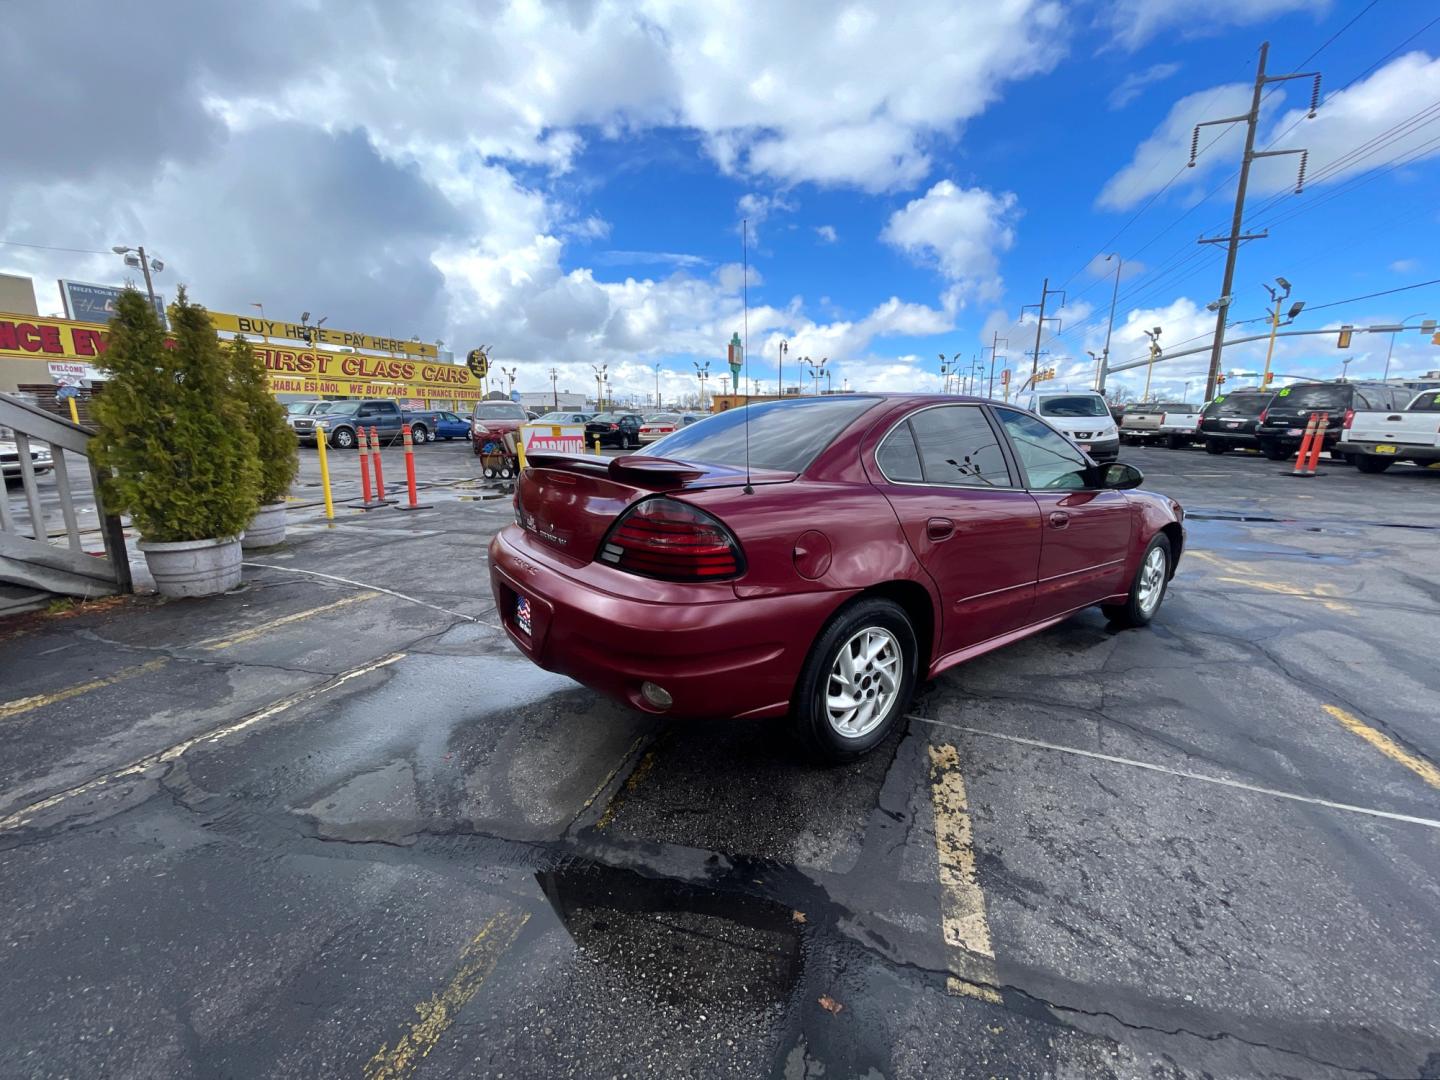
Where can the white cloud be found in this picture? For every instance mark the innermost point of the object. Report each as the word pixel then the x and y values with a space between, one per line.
pixel 1405 266
pixel 963 230
pixel 1134 22
pixel 1346 121
pixel 827 233
pixel 1130 87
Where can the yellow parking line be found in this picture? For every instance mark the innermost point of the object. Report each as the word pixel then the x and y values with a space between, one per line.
pixel 1389 747
pixel 477 961
pixel 37 701
pixel 212 644
pixel 635 779
pixel 1326 594
pixel 962 905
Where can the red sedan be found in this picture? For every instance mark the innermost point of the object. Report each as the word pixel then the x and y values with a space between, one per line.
pixel 872 541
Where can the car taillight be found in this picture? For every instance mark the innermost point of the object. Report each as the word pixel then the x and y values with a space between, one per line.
pixel 665 539
pixel 1263 413
pixel 614 427
pixel 1349 418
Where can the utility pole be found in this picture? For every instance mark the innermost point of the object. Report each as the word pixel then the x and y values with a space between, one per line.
pixel 1045 293
pixel 658 405
pixel 1102 368
pixel 994 344
pixel 554 391
pixel 1236 237
pixel 780 370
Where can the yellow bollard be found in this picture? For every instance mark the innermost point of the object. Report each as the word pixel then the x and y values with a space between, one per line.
pixel 320 440
pixel 520 451
pixel 74 412
pixel 597 444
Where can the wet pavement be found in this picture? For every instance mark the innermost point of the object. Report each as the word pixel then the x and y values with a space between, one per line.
pixel 326 827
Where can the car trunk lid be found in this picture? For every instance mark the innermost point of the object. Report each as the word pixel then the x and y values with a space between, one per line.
pixel 570 501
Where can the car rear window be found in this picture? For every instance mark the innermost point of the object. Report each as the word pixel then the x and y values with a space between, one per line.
pixel 499 410
pixel 1429 402
pixel 1236 405
pixel 784 435
pixel 1313 397
pixel 1078 405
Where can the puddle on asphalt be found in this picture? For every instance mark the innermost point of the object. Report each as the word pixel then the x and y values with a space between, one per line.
pixel 678 943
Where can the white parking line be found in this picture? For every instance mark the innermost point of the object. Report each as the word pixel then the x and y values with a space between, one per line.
pixel 373 588
pixel 1429 823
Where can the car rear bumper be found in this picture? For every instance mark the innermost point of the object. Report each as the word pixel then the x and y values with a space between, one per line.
pixel 1246 438
pixel 1401 451
pixel 726 657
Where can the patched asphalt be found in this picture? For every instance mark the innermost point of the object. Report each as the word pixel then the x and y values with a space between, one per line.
pixel 321 827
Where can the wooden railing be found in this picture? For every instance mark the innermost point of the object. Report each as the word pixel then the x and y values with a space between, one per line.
pixel 78 561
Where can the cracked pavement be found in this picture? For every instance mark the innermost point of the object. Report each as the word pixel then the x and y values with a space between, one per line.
pixel 311 829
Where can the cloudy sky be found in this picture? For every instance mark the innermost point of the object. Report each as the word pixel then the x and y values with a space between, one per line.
pixel 565 181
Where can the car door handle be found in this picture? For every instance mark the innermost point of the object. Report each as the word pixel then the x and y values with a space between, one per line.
pixel 939 528
pixel 1059 519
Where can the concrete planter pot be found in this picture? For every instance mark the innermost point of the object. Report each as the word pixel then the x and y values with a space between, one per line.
pixel 194 567
pixel 266 528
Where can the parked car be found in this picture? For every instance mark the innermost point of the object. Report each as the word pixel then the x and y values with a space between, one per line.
pixel 614 429
pixel 821 556
pixel 340 423
pixel 449 425
pixel 491 421
pixel 423 424
pixel 296 409
pixel 1282 425
pixel 1229 421
pixel 564 418
pixel 1082 416
pixel 1376 440
pixel 658 425
pixel 1180 429
pixel 1142 420
pixel 41 460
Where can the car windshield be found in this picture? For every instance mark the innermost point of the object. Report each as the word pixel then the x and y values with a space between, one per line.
pixel 784 435
pixel 1318 396
pixel 1166 406
pixel 499 410
pixel 300 408
pixel 343 408
pixel 557 418
pixel 607 418
pixel 1237 405
pixel 1078 405
pixel 663 418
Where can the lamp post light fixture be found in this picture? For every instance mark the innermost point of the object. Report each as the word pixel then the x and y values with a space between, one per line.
pixel 780 370
pixel 1278 297
pixel 702 372
pixel 599 370
pixel 509 378
pixel 1154 336
pixel 136 257
pixel 309 333
pixel 1103 365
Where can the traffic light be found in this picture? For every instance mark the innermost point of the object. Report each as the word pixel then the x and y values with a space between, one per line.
pixel 1220 379
pixel 1269 377
pixel 1344 339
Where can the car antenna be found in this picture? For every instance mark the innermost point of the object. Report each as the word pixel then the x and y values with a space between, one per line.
pixel 745 302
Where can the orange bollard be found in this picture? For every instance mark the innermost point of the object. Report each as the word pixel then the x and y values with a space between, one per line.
pixel 379 473
pixel 413 504
pixel 1305 446
pixel 1319 443
pixel 364 468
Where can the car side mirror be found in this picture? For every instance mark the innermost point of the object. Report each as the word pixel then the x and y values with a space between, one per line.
pixel 1117 476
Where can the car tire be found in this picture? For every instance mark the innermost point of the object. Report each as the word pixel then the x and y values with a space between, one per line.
pixel 343 439
pixel 867 622
pixel 430 436
pixel 1175 442
pixel 1146 593
pixel 1342 459
pixel 417 434
pixel 1370 463
pixel 1213 447
pixel 1274 451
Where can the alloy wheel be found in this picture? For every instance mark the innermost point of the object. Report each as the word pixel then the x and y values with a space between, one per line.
pixel 1152 580
pixel 864 682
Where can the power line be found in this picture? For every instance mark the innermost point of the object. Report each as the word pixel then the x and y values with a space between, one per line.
pixel 48 247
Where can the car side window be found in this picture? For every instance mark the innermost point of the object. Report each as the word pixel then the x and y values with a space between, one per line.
pixel 897 457
pixel 1049 459
pixel 1359 401
pixel 958 447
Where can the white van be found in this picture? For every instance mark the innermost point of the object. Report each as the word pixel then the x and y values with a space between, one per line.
pixel 1082 416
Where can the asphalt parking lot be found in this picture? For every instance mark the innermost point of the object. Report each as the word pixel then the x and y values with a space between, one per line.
pixel 333 824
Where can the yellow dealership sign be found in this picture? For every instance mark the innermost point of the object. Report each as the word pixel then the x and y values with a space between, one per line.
pixel 253 327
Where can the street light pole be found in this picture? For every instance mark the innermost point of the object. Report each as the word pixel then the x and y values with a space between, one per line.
pixel 599 370
pixel 554 391
pixel 658 405
pixel 1154 336
pixel 1103 368
pixel 121 249
pixel 780 370
pixel 1390 351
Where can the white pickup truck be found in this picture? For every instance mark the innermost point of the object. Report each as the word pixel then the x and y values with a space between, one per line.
pixel 1376 440
pixel 1180 429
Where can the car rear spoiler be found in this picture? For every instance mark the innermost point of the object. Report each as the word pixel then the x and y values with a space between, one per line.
pixel 637 469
